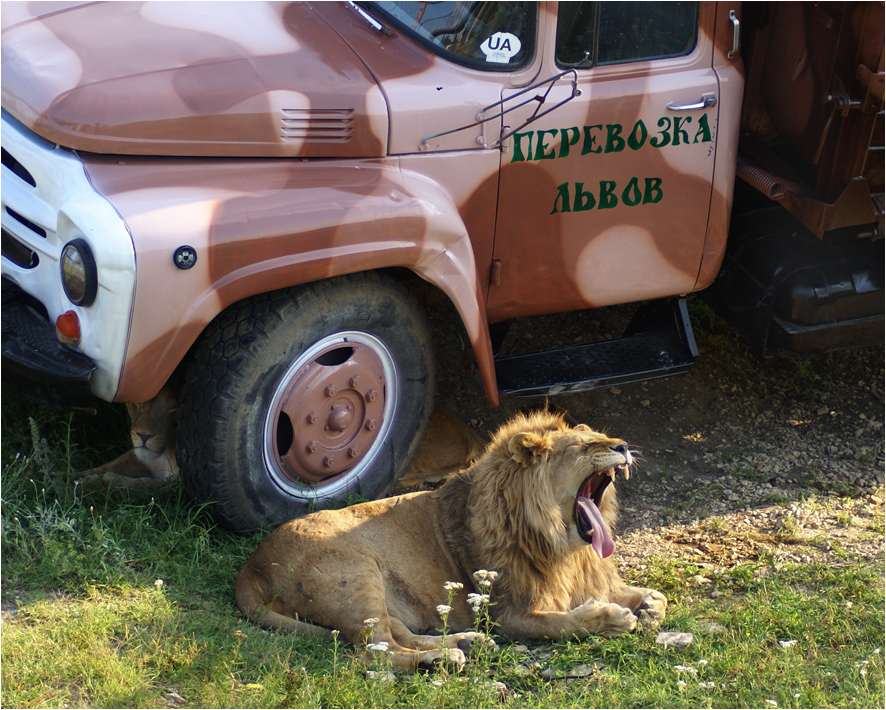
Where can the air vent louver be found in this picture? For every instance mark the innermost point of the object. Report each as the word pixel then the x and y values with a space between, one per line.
pixel 318 125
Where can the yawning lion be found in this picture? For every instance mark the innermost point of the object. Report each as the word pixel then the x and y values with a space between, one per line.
pixel 537 508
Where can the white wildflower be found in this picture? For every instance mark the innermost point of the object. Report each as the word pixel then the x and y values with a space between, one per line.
pixel 437 683
pixel 686 669
pixel 477 600
pixel 787 643
pixel 701 662
pixel 379 647
pixel 158 583
pixel 453 586
pixel 681 683
pixel 771 702
pixel 443 609
pixel 370 623
pixel 484 578
pixel 862 672
pixel 707 684
pixel 796 696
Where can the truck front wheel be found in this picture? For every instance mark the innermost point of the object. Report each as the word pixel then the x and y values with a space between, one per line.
pixel 304 398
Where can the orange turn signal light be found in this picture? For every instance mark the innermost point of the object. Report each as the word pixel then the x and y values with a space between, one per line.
pixel 67 327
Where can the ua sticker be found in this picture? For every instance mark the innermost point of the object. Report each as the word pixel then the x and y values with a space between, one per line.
pixel 501 47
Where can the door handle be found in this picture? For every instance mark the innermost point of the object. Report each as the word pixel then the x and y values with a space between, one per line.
pixel 707 101
pixel 736 35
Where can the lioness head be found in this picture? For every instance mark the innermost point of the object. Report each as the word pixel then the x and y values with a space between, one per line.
pixel 152 432
pixel 559 478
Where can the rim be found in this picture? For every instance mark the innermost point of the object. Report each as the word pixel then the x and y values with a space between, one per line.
pixel 330 413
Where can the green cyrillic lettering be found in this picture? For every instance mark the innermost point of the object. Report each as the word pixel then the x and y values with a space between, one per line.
pixel 562 198
pixel 631 195
pixel 704 130
pixel 518 156
pixel 638 136
pixel 614 142
pixel 679 130
pixel 568 137
pixel 541 146
pixel 590 142
pixel 652 194
pixel 665 124
pixel 584 200
pixel 608 200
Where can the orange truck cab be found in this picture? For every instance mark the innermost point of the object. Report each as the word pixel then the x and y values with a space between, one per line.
pixel 237 196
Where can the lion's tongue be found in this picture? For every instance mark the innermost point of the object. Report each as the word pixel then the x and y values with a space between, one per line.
pixel 601 540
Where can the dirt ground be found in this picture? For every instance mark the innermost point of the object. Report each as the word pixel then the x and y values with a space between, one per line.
pixel 739 459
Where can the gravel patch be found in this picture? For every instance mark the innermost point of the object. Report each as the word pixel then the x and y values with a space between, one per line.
pixel 739 459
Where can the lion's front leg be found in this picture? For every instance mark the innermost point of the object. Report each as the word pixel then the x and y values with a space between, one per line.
pixel 592 617
pixel 648 604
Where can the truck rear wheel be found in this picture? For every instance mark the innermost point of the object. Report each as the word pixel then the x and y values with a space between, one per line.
pixel 304 398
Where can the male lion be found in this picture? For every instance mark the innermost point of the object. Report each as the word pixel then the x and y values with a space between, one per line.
pixel 537 508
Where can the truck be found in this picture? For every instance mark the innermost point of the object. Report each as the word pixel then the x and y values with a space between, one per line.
pixel 246 196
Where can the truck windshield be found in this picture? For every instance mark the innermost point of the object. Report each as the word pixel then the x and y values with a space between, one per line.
pixel 493 36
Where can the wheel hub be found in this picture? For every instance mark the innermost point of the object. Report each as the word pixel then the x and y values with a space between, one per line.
pixel 330 413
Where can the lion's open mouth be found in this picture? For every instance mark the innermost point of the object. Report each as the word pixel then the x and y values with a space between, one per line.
pixel 592 528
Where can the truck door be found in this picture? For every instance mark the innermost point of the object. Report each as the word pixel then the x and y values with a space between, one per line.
pixel 605 199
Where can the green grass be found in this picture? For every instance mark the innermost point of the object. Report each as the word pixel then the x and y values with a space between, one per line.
pixel 88 622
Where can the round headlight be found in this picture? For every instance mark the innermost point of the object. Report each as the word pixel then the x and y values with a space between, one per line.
pixel 79 275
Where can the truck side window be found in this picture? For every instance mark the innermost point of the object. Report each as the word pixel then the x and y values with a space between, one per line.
pixel 493 36
pixel 593 34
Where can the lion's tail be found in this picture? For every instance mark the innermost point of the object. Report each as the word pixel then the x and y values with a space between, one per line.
pixel 248 593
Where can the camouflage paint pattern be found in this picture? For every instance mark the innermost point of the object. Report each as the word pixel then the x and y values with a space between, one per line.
pixel 177 109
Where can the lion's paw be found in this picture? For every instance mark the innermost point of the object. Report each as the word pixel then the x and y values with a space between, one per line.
pixel 606 619
pixel 468 640
pixel 652 608
pixel 450 656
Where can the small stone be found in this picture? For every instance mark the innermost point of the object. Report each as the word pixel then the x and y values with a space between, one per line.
pixel 679 639
pixel 582 670
pixel 712 627
pixel 822 411
pixel 174 698
pixel 520 648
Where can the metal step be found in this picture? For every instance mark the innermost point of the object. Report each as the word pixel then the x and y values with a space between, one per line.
pixel 657 343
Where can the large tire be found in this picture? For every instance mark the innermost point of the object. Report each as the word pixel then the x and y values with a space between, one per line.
pixel 304 398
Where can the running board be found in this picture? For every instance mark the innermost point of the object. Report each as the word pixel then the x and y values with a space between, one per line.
pixel 657 343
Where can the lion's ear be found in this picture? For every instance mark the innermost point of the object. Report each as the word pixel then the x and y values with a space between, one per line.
pixel 582 427
pixel 526 447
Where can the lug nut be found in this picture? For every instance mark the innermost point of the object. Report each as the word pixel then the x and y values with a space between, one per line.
pixel 330 390
pixel 313 417
pixel 371 395
pixel 328 461
pixel 370 424
pixel 354 382
pixel 354 452
pixel 312 447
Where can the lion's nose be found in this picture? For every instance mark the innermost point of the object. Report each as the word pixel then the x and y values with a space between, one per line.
pixel 621 449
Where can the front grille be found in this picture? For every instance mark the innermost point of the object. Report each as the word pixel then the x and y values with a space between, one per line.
pixel 17 252
pixel 37 229
pixel 17 168
pixel 317 125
